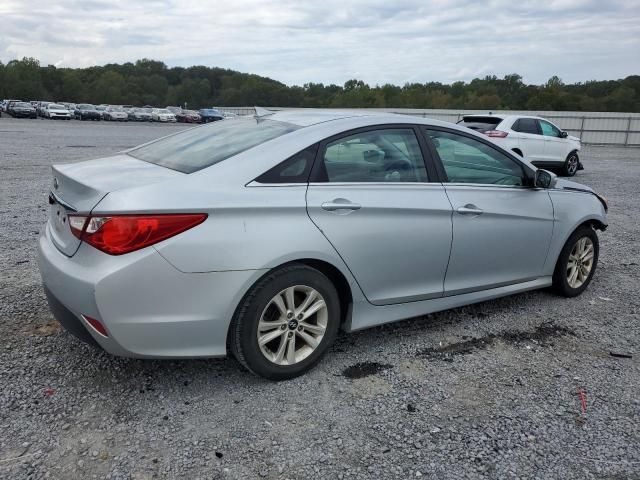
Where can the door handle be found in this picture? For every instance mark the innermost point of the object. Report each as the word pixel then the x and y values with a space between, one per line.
pixel 469 209
pixel 340 204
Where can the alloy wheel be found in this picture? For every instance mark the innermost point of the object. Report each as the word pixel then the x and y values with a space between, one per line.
pixel 292 325
pixel 572 165
pixel 580 262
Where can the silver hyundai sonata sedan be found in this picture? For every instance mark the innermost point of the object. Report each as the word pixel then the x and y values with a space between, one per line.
pixel 262 236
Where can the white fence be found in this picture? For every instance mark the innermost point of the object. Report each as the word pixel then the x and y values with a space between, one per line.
pixel 596 128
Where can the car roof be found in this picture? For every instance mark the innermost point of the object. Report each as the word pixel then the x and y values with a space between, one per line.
pixel 308 117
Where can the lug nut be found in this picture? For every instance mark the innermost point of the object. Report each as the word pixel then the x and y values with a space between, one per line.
pixel 299 316
pixel 290 334
pixel 299 328
pixel 283 327
pixel 289 314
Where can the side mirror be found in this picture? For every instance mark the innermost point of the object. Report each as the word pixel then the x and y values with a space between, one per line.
pixel 545 179
pixel 563 134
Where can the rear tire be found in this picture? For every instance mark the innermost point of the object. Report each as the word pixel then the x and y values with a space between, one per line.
pixel 286 322
pixel 577 262
pixel 571 165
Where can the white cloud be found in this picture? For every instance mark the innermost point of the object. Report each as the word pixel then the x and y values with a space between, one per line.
pixel 331 41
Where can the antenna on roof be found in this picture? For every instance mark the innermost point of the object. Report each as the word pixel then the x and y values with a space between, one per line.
pixel 262 112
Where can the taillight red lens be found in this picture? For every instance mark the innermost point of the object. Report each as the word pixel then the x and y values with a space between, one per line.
pixel 496 133
pixel 97 325
pixel 119 234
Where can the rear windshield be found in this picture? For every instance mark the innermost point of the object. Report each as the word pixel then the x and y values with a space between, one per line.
pixel 480 124
pixel 201 147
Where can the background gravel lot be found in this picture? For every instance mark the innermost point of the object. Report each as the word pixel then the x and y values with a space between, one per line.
pixel 488 391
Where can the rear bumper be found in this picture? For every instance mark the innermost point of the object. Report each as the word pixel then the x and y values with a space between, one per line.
pixel 69 320
pixel 148 307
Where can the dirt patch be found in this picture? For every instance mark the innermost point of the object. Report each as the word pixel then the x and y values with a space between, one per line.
pixel 46 329
pixel 541 336
pixel 364 369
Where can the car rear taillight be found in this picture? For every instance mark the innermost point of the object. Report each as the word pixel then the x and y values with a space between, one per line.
pixel 120 234
pixel 496 133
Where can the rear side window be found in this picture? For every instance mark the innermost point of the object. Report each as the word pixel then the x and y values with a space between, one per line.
pixel 480 124
pixel 201 147
pixel 526 125
pixel 295 169
pixel 386 155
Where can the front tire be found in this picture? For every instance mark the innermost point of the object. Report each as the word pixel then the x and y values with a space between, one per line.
pixel 577 262
pixel 286 323
pixel 571 165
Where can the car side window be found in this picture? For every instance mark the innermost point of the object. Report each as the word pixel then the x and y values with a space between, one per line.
pixel 549 130
pixel 295 169
pixel 526 125
pixel 467 160
pixel 385 155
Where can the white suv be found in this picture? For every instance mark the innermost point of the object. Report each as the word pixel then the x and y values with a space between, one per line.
pixel 534 138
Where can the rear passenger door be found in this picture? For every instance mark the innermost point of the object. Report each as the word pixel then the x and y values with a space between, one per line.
pixel 530 139
pixel 372 197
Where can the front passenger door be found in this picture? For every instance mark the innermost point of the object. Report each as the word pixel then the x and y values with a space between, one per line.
pixel 501 227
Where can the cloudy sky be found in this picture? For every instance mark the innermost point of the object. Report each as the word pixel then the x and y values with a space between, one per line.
pixel 331 41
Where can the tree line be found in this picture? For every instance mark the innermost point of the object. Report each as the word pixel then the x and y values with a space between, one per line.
pixel 151 82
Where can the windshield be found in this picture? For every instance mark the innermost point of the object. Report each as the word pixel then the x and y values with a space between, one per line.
pixel 163 110
pixel 198 148
pixel 210 111
pixel 115 109
pixel 86 106
pixel 22 104
pixel 53 106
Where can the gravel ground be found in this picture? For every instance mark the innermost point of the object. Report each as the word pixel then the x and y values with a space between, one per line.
pixel 487 391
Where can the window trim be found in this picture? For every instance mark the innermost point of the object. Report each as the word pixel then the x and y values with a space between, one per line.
pixel 529 174
pixel 316 177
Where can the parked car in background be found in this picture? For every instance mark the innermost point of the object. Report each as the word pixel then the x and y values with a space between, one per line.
pixel 297 224
pixel 162 115
pixel 22 110
pixel 534 138
pixel 115 113
pixel 86 111
pixel 140 114
pixel 174 110
pixel 55 111
pixel 4 106
pixel 210 115
pixel 188 116
pixel 41 108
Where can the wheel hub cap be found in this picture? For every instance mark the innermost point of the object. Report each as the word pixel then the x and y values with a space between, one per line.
pixel 580 262
pixel 292 325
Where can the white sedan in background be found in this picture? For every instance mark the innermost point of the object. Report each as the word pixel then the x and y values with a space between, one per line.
pixel 162 115
pixel 54 111
pixel 534 138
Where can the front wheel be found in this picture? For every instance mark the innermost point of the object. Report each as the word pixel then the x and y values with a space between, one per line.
pixel 285 323
pixel 577 262
pixel 571 165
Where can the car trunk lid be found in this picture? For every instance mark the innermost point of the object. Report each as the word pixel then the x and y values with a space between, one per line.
pixel 78 187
